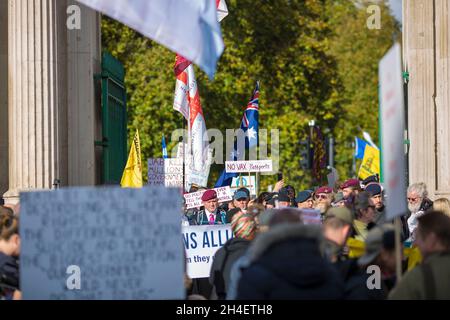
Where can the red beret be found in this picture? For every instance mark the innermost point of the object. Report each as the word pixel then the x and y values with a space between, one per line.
pixel 324 189
pixel 350 183
pixel 209 195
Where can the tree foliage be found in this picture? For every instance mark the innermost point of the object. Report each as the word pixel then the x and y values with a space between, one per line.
pixel 315 59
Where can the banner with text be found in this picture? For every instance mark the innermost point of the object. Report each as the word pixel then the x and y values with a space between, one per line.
pixel 248 166
pixel 201 243
pixel 194 200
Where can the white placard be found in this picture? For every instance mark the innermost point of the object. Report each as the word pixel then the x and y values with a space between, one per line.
pixel 246 183
pixel 201 243
pixel 165 172
pixel 248 166
pixel 393 128
pixel 194 200
pixel 124 242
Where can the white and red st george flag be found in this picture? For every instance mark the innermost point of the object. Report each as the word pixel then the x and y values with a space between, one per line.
pixel 187 101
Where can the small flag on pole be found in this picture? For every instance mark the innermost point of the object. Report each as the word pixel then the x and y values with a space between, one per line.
pixel 164 148
pixel 132 175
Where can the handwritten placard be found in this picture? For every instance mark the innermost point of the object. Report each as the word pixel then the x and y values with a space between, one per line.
pixel 248 166
pixel 165 172
pixel 194 200
pixel 101 243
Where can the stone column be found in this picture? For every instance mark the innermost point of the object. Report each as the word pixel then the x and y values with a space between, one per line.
pixel 84 112
pixel 3 96
pixel 37 95
pixel 426 41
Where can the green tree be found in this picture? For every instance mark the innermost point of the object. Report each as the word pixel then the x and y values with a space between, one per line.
pixel 315 59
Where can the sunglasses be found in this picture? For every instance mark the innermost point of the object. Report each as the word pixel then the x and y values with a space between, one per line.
pixel 412 199
pixel 320 196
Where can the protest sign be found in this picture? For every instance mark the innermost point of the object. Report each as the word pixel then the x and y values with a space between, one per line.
pixel 101 243
pixel 165 172
pixel 392 114
pixel 250 184
pixel 194 200
pixel 201 243
pixel 248 166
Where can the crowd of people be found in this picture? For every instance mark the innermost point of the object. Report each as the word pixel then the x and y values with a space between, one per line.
pixel 275 254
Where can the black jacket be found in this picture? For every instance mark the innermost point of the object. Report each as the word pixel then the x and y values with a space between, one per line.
pixel 224 259
pixel 287 263
pixel 9 275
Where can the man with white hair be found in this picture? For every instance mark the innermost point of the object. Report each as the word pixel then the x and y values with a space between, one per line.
pixel 418 203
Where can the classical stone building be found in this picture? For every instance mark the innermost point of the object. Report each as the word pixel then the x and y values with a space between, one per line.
pixel 49 104
pixel 426 55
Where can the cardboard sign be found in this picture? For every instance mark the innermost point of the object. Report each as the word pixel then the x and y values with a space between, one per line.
pixel 248 166
pixel 194 200
pixel 101 243
pixel 201 243
pixel 165 172
pixel 250 184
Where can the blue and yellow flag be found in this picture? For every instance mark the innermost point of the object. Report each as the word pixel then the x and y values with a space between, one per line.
pixel 132 175
pixel 370 164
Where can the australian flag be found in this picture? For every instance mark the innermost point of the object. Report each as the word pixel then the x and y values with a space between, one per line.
pixel 249 125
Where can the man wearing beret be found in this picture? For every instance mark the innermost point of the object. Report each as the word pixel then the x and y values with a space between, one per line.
pixel 323 198
pixel 350 188
pixel 211 214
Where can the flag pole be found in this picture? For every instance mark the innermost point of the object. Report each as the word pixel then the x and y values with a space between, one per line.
pixel 184 156
pixel 398 248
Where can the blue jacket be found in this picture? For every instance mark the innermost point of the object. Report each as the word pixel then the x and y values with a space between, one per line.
pixel 200 218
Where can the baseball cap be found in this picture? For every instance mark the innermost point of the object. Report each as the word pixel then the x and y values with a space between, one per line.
pixel 342 213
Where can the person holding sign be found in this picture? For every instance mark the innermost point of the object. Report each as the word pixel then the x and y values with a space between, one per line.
pixel 211 214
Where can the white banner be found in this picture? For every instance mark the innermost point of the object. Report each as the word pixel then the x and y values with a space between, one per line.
pixel 194 200
pixel 393 128
pixel 165 172
pixel 201 243
pixel 248 166
pixel 101 243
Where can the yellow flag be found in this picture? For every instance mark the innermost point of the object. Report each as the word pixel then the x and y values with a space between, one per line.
pixel 132 175
pixel 371 163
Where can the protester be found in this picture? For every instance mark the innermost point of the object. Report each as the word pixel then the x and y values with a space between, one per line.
pixel 244 229
pixel 337 227
pixel 364 215
pixel 262 198
pixel 286 262
pixel 284 200
pixel 418 203
pixel 376 194
pixel 431 279
pixel 305 200
pixel 350 188
pixel 380 252
pixel 339 200
pixel 9 253
pixel 241 199
pixel 323 198
pixel 291 194
pixel 272 201
pixel 211 214
pixel 442 205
